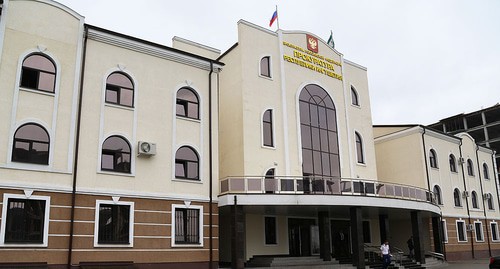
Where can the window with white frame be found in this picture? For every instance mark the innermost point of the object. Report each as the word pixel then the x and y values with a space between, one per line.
pixel 475 203
pixel 489 201
pixel 445 231
pixel 494 231
pixel 478 230
pixel 267 128
pixel 461 233
pixel 486 172
pixel 270 229
pixel 265 66
pixel 433 159
pixel 457 197
pixel 25 220
pixel 114 223
pixel 187 226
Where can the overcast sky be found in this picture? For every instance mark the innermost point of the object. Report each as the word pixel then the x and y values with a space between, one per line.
pixel 426 59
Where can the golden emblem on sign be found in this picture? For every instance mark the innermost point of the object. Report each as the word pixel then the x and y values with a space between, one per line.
pixel 312 43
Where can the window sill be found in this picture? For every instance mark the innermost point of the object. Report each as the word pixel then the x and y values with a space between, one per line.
pixel 113 245
pixel 356 106
pixel 268 147
pixel 268 78
pixel 115 173
pixel 187 245
pixel 119 106
pixel 17 245
pixel 184 180
pixel 37 91
pixel 361 164
pixel 29 166
pixel 187 119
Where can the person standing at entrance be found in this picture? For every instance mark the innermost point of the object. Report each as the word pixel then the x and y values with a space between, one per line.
pixel 410 247
pixel 385 252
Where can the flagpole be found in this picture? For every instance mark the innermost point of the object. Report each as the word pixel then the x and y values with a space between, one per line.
pixel 278 18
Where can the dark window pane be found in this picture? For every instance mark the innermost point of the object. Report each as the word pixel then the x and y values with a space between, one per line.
pixel 306 136
pixel 31 145
pixel 270 230
pixel 267 128
pixel 186 163
pixel 354 97
pixel 307 163
pixel 120 80
pixel 332 119
pixel 25 221
pixel 39 62
pixel 114 224
pixel 264 67
pixel 304 113
pixel 314 116
pixel 32 132
pixel 322 117
pixel 325 161
pixel 127 97
pixel 29 78
pixel 119 90
pixel 116 155
pixel 46 82
pixel 112 95
pixel 315 138
pixel 317 163
pixel 187 228
pixel 187 98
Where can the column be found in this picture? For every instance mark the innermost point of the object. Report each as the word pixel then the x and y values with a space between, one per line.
pixel 237 237
pixel 437 232
pixel 325 245
pixel 358 252
pixel 384 228
pixel 417 231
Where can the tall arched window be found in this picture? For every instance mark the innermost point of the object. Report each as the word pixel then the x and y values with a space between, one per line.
pixel 354 96
pixel 267 128
pixel 489 201
pixel 456 198
pixel 38 73
pixel 470 167
pixel 116 155
pixel 318 122
pixel 187 104
pixel 437 195
pixel 119 90
pixel 31 144
pixel 187 164
pixel 270 183
pixel 453 163
pixel 265 66
pixel 433 159
pixel 359 148
pixel 475 203
pixel 486 172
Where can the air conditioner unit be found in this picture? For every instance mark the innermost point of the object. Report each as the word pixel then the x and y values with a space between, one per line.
pixel 465 194
pixel 146 148
pixel 487 196
pixel 470 227
pixel 461 160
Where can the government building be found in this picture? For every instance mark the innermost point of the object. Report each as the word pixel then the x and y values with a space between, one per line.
pixel 118 152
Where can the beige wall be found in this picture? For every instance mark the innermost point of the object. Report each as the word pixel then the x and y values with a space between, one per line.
pixel 255 236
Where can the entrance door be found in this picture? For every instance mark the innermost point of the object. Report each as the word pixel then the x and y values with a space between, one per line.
pixel 341 238
pixel 299 236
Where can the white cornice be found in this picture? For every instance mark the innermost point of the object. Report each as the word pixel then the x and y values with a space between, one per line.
pixel 255 26
pixel 355 65
pixel 442 136
pixel 133 45
pixel 399 134
pixel 192 43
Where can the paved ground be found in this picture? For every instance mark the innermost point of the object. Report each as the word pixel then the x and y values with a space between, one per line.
pixel 472 264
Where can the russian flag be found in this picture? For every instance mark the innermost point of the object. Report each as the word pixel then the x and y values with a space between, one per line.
pixel 275 17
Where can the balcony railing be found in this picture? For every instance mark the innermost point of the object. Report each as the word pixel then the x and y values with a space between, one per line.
pixel 323 186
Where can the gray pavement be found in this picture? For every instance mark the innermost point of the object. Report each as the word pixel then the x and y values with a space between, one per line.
pixel 470 264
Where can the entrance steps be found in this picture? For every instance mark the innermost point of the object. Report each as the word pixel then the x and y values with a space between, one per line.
pixel 310 262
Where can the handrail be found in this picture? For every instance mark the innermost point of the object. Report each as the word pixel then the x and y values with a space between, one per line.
pixel 436 255
pixel 323 186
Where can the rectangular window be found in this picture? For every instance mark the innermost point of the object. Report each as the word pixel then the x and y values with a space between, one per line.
pixel 114 223
pixel 461 231
pixel 478 230
pixel 367 237
pixel 26 220
pixel 270 230
pixel 445 231
pixel 187 226
pixel 267 128
pixel 494 231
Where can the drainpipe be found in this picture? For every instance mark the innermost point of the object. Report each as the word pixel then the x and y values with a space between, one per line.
pixel 77 147
pixel 466 199
pixel 210 211
pixel 425 161
pixel 484 205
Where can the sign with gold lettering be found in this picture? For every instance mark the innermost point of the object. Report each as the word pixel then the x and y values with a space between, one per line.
pixel 312 43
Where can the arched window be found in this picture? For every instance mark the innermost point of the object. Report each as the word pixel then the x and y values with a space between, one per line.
pixel 433 159
pixel 187 104
pixel 453 163
pixel 470 167
pixel 119 90
pixel 265 66
pixel 437 195
pixel 267 128
pixel 187 164
pixel 270 183
pixel 116 155
pixel 38 73
pixel 475 203
pixel 485 171
pixel 359 148
pixel 318 123
pixel 456 198
pixel 354 96
pixel 489 201
pixel 31 144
